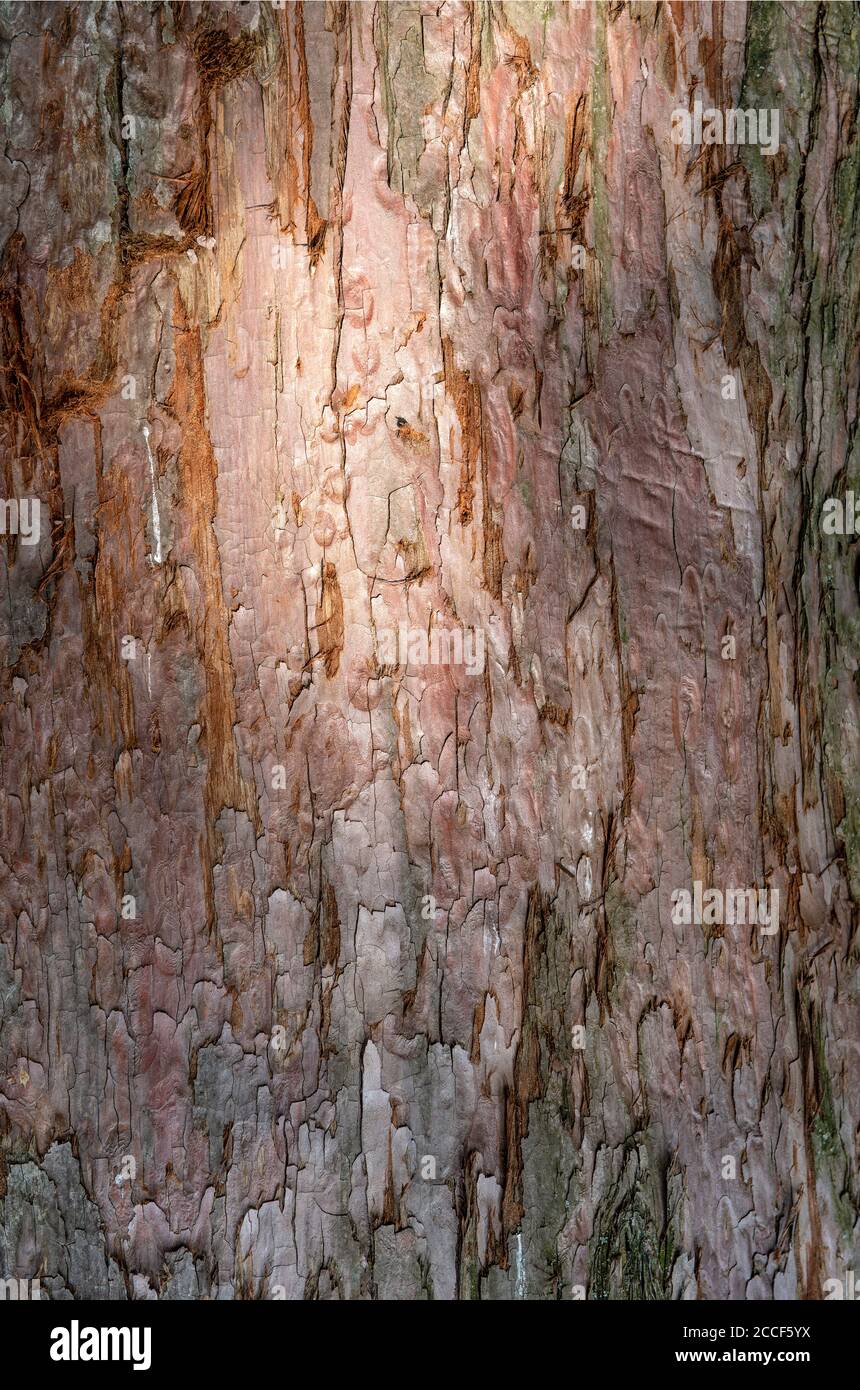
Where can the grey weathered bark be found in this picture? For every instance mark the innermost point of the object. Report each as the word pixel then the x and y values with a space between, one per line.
pixel 329 969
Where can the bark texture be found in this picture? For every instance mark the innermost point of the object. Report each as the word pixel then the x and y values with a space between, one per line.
pixel 429 322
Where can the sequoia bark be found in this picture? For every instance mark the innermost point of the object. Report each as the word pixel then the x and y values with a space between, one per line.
pixel 328 976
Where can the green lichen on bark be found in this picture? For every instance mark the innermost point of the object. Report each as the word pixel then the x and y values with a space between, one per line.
pixel 631 1253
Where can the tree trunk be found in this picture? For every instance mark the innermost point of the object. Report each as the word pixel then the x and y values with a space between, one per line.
pixel 426 620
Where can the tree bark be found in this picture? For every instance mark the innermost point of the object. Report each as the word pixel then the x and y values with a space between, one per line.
pixel 431 588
